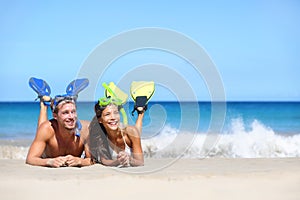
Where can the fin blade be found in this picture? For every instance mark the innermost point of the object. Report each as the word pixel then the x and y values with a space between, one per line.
pixel 40 86
pixel 77 86
pixel 142 88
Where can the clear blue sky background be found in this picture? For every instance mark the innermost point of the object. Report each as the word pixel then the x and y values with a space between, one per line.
pixel 255 45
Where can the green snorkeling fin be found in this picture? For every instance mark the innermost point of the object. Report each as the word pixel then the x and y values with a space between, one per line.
pixel 111 90
pixel 141 92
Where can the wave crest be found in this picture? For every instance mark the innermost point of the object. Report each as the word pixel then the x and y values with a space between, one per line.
pixel 258 141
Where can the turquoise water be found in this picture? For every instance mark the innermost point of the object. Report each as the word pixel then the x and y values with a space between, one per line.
pixel 18 119
pixel 250 129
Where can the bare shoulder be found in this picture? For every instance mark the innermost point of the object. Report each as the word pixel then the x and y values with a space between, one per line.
pixel 46 130
pixel 85 128
pixel 132 131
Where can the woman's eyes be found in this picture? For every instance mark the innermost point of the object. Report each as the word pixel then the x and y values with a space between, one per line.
pixel 115 112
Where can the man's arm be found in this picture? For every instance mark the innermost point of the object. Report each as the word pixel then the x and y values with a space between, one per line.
pixel 43 117
pixel 37 148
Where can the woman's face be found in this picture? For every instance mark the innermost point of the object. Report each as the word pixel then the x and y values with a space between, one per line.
pixel 110 117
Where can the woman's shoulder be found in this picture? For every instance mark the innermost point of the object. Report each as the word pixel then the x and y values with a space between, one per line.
pixel 132 131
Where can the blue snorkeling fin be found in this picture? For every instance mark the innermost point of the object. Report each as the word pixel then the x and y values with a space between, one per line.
pixel 77 86
pixel 111 90
pixel 141 92
pixel 42 88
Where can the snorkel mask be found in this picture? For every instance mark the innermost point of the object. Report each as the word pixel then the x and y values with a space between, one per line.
pixel 110 98
pixel 104 102
pixel 58 99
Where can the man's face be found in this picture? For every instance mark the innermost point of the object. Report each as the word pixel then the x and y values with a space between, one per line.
pixel 67 116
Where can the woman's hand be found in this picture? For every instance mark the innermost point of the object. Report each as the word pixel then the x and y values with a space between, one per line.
pixel 123 158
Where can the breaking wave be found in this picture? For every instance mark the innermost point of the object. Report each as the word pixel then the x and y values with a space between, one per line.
pixel 257 141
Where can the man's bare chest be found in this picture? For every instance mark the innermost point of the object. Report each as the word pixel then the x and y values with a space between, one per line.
pixel 58 147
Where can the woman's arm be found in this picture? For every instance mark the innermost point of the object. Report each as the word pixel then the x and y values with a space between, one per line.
pixel 109 162
pixel 139 123
pixel 137 156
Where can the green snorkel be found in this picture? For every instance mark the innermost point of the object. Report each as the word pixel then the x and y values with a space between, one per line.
pixel 113 94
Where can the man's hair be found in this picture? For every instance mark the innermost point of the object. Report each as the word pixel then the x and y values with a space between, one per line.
pixel 61 100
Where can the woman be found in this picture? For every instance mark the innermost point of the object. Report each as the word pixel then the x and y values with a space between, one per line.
pixel 110 144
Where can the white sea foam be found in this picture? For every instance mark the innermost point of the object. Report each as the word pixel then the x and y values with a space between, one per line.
pixel 13 152
pixel 258 141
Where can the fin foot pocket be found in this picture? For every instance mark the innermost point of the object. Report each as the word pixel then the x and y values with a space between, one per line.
pixel 140 105
pixel 141 92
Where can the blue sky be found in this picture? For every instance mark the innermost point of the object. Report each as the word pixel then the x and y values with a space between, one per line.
pixel 254 45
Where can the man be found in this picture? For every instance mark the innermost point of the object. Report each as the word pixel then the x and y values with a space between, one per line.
pixel 56 143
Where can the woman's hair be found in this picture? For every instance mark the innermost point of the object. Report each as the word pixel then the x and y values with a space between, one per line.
pixel 98 143
pixel 99 109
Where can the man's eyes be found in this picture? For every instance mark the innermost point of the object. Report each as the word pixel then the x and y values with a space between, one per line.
pixel 67 112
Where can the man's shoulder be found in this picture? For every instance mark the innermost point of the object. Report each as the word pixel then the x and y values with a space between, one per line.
pixel 85 122
pixel 48 124
pixel 85 128
pixel 47 129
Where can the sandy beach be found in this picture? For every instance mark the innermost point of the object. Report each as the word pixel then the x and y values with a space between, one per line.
pixel 211 178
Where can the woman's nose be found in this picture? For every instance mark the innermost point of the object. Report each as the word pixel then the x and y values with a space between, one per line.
pixel 113 116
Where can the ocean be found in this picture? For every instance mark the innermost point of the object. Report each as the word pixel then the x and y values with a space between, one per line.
pixel 181 129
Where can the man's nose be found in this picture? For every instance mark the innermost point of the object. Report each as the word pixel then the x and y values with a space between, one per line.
pixel 72 115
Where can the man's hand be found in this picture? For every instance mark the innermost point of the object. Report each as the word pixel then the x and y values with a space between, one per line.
pixel 72 161
pixel 57 162
pixel 64 161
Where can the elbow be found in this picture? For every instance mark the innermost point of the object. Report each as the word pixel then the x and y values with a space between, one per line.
pixel 27 161
pixel 136 162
